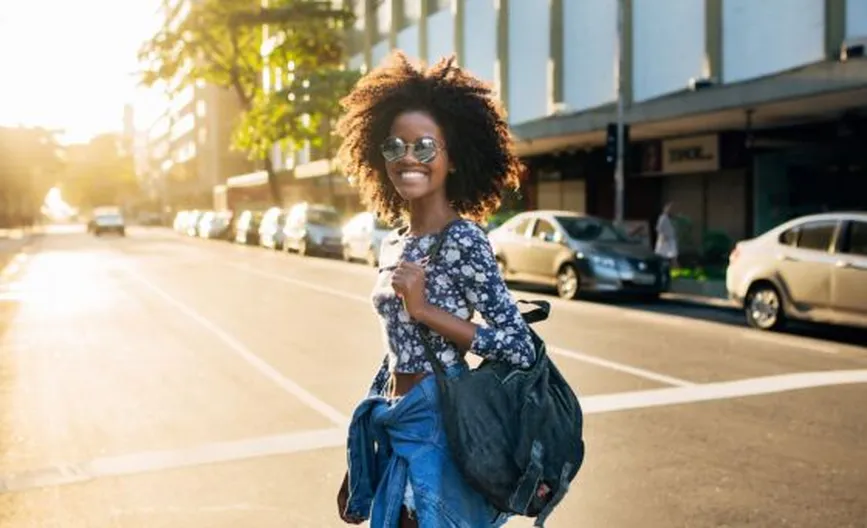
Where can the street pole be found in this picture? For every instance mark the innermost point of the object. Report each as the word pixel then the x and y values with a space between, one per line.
pixel 618 168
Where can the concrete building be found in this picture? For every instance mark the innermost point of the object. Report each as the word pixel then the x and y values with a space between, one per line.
pixel 189 142
pixel 735 107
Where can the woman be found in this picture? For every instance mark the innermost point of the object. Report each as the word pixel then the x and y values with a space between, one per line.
pixel 430 148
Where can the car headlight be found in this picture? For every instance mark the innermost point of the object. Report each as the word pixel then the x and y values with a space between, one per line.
pixel 603 261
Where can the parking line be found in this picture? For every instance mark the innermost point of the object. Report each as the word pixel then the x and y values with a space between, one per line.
pixel 635 371
pixel 578 356
pixel 247 355
pixel 153 461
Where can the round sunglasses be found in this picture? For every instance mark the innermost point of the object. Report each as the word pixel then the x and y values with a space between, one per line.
pixel 424 149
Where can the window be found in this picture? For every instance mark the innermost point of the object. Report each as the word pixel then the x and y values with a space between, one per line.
pixel 856 239
pixel 789 237
pixel 544 231
pixel 817 236
pixel 519 227
pixel 589 229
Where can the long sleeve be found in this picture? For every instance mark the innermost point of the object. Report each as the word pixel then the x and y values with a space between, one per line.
pixel 505 337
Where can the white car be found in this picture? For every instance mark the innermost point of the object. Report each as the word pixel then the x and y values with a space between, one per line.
pixel 107 220
pixel 362 238
pixel 813 268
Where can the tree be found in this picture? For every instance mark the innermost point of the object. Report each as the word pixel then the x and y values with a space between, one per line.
pixel 99 173
pixel 220 42
pixel 30 160
pixel 303 111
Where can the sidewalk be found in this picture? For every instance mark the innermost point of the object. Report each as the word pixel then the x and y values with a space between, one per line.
pixel 701 292
pixel 13 241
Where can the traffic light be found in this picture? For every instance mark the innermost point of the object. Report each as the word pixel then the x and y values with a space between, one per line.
pixel 611 142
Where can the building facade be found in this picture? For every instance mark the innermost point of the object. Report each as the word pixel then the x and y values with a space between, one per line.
pixel 189 143
pixel 733 106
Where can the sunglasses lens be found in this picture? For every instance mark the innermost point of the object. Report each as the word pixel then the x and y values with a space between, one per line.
pixel 425 150
pixel 393 149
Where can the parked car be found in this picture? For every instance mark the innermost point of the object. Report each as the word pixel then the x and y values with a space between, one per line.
pixel 362 238
pixel 812 268
pixel 313 229
pixel 576 253
pixel 247 228
pixel 271 228
pixel 107 220
pixel 216 225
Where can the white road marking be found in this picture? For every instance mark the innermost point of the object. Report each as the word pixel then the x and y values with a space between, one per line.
pixel 791 341
pixel 152 461
pixel 247 355
pixel 222 452
pixel 635 371
pixel 302 283
pixel 682 321
pixel 579 356
pixel 720 390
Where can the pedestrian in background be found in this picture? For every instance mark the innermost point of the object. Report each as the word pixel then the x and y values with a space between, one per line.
pixel 666 236
pixel 430 149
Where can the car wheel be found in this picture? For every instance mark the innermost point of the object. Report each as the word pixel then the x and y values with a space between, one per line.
pixel 763 307
pixel 568 282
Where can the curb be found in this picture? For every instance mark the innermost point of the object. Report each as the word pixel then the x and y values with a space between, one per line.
pixel 701 300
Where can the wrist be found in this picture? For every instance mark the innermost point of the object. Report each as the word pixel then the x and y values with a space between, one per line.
pixel 422 312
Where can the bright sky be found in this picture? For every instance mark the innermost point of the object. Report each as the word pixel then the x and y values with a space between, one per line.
pixel 69 63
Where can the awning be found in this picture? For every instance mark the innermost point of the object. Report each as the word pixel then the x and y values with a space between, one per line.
pixel 816 92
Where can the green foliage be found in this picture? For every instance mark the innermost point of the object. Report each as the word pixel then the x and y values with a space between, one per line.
pixel 98 173
pixel 30 159
pixel 221 42
pixel 715 247
pixel 303 110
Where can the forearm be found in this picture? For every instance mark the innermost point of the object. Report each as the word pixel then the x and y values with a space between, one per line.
pixel 459 331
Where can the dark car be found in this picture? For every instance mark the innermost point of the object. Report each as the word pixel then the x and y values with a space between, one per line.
pixel 577 253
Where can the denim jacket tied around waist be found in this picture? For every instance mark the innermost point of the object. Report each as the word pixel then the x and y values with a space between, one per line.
pixel 391 441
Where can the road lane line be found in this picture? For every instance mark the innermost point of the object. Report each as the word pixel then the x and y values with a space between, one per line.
pixel 790 341
pixel 154 461
pixel 722 390
pixel 223 452
pixel 302 284
pixel 247 355
pixel 579 356
pixel 635 371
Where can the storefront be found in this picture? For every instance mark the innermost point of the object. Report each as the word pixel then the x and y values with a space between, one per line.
pixel 706 180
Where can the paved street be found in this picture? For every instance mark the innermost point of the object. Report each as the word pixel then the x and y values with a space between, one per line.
pixel 162 381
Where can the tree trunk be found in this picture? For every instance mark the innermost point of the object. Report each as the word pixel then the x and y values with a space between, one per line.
pixel 326 143
pixel 273 183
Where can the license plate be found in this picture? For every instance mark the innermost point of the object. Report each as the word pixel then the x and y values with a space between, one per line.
pixel 644 278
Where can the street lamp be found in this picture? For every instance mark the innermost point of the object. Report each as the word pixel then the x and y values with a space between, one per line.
pixel 618 167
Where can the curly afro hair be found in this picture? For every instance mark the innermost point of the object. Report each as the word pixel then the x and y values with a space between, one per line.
pixel 471 119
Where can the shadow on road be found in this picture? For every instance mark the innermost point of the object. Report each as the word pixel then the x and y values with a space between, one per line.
pixel 716 314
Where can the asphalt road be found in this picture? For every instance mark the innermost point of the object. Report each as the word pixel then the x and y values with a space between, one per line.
pixel 162 381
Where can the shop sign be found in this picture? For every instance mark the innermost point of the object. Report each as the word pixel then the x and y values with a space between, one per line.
pixel 694 154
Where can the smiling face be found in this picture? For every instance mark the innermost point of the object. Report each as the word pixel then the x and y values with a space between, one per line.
pixel 414 176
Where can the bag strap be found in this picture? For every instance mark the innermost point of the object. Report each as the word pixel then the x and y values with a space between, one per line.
pixel 438 366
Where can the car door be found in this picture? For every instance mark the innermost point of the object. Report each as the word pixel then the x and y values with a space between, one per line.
pixel 512 244
pixel 849 275
pixel 805 267
pixel 543 249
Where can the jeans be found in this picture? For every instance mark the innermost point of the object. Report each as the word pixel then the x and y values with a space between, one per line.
pixel 392 442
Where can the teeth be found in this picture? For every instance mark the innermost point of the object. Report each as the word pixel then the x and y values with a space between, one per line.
pixel 412 175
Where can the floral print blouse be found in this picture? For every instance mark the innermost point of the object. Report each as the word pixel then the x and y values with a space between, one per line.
pixel 462 279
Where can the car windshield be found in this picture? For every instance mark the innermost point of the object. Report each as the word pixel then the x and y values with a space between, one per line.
pixel 109 218
pixel 323 217
pixel 592 229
